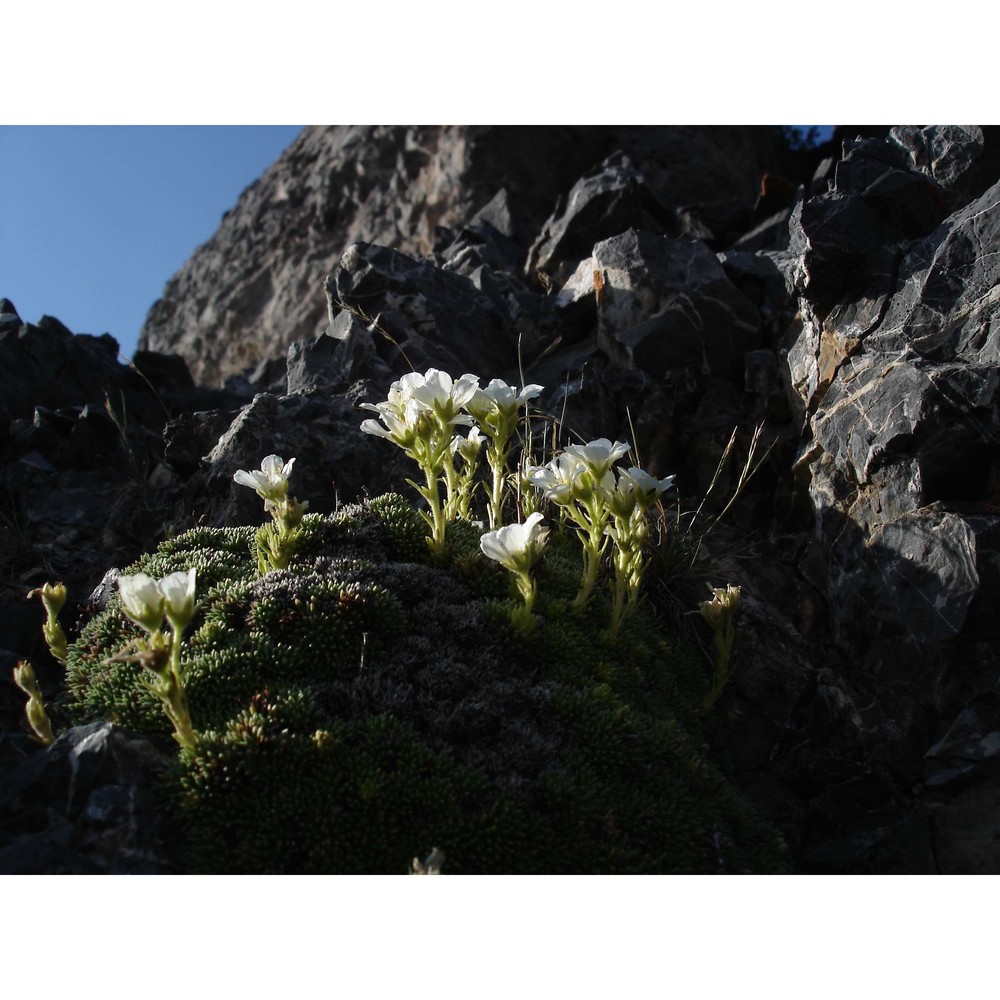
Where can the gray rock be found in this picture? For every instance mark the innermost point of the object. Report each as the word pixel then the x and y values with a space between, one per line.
pixel 610 200
pixel 255 287
pixel 335 459
pixel 45 364
pixel 946 153
pixel 924 574
pixel 331 363
pixel 442 318
pixel 967 831
pixel 666 304
pixel 89 803
pixel 945 303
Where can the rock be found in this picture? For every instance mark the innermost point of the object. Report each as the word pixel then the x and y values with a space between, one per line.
pixel 87 804
pixel 333 188
pixel 191 436
pixel 970 749
pixel 343 356
pixel 924 574
pixel 948 154
pixel 612 199
pixel 967 832
pixel 163 371
pixel 666 304
pixel 9 319
pixel 256 286
pixel 45 364
pixel 944 303
pixel 336 460
pixel 500 214
pixel 423 316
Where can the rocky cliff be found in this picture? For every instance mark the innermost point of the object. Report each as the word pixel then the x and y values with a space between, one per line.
pixel 256 286
pixel 837 308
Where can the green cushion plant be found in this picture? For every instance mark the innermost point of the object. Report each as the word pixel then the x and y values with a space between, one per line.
pixel 360 692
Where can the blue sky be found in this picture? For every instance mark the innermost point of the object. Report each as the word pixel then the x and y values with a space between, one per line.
pixel 95 220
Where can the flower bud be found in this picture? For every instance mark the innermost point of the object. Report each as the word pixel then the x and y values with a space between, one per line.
pixel 178 598
pixel 142 601
pixel 53 597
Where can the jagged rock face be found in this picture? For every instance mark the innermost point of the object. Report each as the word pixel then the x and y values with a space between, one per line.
pixel 899 382
pixel 256 286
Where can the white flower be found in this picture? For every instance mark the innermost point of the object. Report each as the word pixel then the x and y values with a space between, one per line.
pixel 436 390
pixel 178 597
pixel 142 600
pixel 146 600
pixel 516 546
pixel 635 486
pixel 271 482
pixel 421 408
pixel 564 479
pixel 719 611
pixel 559 480
pixel 599 455
pixel 468 447
pixel 500 397
pixel 400 417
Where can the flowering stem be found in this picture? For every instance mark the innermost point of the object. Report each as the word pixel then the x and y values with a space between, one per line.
pixel 38 719
pixel 169 686
pixel 591 566
pixel 720 613
pixel 593 520
pixel 496 455
pixel 437 519
pixel 521 617
pixel 451 489
pixel 53 597
pixel 178 713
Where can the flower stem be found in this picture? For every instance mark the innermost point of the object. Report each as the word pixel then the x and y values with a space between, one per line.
pixel 438 523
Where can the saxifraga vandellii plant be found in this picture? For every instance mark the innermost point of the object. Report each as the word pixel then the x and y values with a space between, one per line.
pixel 365 703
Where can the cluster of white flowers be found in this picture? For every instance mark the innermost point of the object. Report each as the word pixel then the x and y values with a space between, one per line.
pixel 422 411
pixel 583 471
pixel 421 415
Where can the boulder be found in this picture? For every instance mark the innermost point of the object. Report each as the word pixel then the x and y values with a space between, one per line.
pixel 88 804
pixel 422 316
pixel 608 201
pixel 666 304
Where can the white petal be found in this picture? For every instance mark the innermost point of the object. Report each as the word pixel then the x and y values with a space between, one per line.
pixel 464 389
pixel 492 547
pixel 374 427
pixel 178 589
pixel 245 478
pixel 271 467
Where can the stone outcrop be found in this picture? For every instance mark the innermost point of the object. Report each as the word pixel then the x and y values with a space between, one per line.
pixel 256 286
pixel 666 292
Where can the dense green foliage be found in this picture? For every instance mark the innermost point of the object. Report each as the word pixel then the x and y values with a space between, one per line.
pixel 364 706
